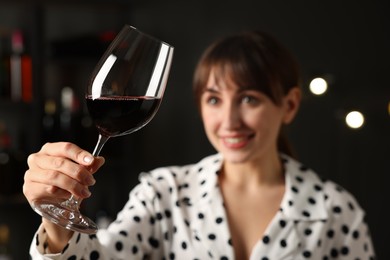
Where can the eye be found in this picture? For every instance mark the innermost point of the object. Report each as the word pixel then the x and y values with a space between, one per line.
pixel 249 99
pixel 212 100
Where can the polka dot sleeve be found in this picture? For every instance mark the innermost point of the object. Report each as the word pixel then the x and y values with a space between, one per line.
pixel 136 233
pixel 349 231
pixel 39 250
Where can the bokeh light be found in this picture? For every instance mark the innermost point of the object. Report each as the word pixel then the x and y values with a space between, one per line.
pixel 318 86
pixel 354 119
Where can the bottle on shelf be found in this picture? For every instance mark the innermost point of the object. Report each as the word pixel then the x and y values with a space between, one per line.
pixel 49 121
pixel 20 69
pixel 4 67
pixel 11 168
pixel 5 252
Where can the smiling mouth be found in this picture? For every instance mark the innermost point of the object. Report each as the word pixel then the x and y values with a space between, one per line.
pixel 234 140
pixel 237 142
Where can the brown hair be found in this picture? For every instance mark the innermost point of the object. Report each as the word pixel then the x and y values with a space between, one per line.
pixel 253 60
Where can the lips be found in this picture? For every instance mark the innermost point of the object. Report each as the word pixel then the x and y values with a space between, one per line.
pixel 236 142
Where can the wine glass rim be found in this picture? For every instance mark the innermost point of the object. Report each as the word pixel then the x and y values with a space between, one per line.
pixel 146 34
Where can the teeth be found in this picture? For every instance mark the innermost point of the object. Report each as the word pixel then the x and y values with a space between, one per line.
pixel 234 140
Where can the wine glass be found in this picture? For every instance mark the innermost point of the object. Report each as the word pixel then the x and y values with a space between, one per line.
pixel 123 95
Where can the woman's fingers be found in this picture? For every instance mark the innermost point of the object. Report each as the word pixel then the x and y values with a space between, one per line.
pixel 68 150
pixel 49 183
pixel 35 190
pixel 60 169
pixel 41 162
pixel 97 163
pixel 74 153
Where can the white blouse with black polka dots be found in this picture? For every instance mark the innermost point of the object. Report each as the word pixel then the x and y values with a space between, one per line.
pixel 178 213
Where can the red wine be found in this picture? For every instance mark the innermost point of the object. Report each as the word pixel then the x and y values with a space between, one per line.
pixel 119 115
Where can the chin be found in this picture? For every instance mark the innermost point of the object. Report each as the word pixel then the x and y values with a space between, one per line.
pixel 235 158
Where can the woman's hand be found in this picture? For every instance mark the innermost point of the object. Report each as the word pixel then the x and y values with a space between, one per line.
pixel 57 171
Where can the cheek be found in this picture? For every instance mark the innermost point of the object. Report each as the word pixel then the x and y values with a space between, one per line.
pixel 208 120
pixel 255 119
pixel 263 121
pixel 211 126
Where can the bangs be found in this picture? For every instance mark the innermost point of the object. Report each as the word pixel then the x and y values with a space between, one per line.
pixel 236 65
pixel 239 60
pixel 251 60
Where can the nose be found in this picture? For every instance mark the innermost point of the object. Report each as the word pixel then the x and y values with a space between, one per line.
pixel 232 118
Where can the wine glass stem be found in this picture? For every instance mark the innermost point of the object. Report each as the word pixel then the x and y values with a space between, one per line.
pixel 73 202
pixel 101 141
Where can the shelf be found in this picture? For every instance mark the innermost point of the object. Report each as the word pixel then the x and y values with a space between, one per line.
pixel 7 103
pixel 95 3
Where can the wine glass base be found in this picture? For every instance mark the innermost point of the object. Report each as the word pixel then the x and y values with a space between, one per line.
pixel 65 217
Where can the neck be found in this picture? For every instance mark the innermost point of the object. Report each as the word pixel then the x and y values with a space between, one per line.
pixel 263 172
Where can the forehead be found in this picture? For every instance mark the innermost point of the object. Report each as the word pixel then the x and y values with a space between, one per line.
pixel 217 81
pixel 223 80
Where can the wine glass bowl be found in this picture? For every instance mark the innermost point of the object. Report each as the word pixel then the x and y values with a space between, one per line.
pixel 128 83
pixel 123 95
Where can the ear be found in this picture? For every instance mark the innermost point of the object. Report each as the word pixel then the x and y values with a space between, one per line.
pixel 291 104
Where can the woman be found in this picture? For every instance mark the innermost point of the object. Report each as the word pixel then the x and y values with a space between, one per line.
pixel 251 200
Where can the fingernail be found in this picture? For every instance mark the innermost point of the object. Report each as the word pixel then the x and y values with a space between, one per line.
pixel 89 180
pixel 85 192
pixel 88 159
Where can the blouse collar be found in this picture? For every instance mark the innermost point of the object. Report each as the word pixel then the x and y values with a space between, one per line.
pixel 304 198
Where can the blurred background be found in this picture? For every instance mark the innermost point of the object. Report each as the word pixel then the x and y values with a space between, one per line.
pixel 49 48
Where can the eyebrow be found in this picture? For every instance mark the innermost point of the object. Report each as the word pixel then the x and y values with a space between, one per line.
pixel 212 89
pixel 216 89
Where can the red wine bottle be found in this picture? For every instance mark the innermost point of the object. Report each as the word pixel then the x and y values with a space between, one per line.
pixel 20 70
